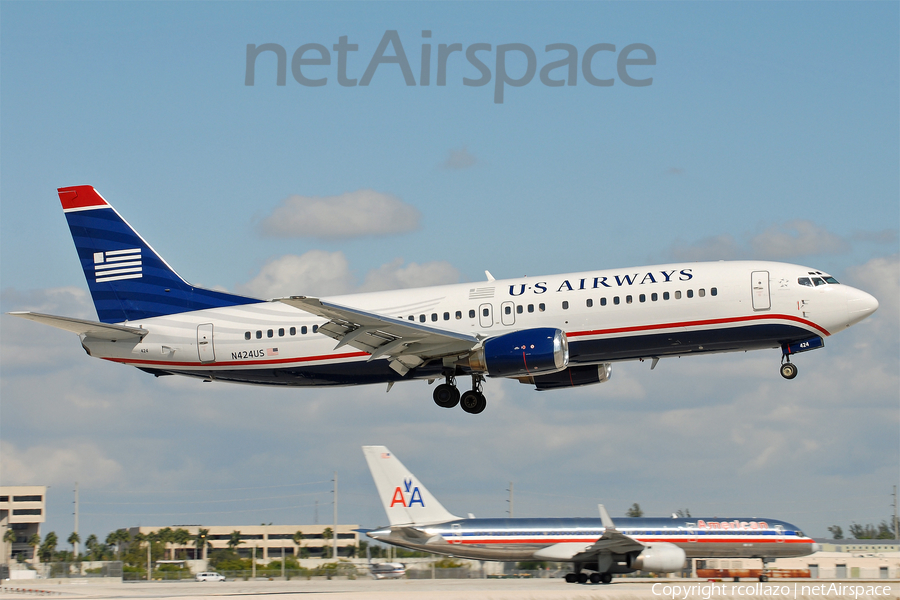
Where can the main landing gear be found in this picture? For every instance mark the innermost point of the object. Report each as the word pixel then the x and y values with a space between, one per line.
pixel 584 578
pixel 446 395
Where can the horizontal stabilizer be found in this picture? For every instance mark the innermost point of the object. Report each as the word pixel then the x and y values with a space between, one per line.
pixel 93 329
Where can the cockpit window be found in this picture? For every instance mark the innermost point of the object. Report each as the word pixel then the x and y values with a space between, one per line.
pixel 830 279
pixel 818 281
pixel 804 281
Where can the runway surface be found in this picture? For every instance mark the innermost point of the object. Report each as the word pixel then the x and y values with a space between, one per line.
pixel 463 589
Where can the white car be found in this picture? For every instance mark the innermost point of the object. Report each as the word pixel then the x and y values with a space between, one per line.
pixel 210 576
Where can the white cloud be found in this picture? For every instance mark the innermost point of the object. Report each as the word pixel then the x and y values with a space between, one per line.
pixel 719 247
pixel 315 273
pixel 350 215
pixel 460 158
pixel 395 275
pixel 61 463
pixel 784 241
pixel 795 239
pixel 320 273
pixel 881 278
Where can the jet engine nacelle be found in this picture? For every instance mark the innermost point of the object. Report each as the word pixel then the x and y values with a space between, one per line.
pixel 658 557
pixel 571 377
pixel 526 352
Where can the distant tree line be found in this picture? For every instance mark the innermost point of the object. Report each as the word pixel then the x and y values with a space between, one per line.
pixel 132 549
pixel 884 531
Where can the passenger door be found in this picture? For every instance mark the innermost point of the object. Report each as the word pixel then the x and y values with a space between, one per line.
pixel 760 288
pixel 205 347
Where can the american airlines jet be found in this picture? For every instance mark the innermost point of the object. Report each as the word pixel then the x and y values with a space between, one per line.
pixel 551 332
pixel 419 522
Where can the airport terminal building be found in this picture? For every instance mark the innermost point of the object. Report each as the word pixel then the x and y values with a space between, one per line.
pixel 22 510
pixel 269 541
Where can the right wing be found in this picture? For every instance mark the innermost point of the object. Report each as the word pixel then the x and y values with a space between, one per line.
pixel 93 329
pixel 406 343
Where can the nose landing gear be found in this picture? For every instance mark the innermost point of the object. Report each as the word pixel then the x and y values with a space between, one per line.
pixel 788 370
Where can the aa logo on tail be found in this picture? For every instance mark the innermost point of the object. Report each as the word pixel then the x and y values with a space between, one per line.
pixel 412 493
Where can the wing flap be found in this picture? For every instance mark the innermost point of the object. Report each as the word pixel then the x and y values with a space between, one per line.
pixel 94 329
pixel 380 335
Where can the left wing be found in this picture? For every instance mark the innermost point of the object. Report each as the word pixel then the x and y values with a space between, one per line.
pixel 405 343
pixel 611 542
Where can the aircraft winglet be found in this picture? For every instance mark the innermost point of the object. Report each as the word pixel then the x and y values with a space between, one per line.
pixel 605 518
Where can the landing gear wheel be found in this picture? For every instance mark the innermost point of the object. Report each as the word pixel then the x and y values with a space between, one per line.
pixel 788 370
pixel 582 578
pixel 571 577
pixel 446 395
pixel 606 578
pixel 595 578
pixel 473 402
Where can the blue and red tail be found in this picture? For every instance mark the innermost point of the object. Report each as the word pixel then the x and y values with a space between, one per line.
pixel 128 280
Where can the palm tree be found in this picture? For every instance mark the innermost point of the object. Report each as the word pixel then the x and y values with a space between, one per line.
pixel 164 535
pixel 34 541
pixel 117 538
pixel 180 537
pixel 327 535
pixel 9 538
pixel 298 539
pixel 74 539
pixel 90 544
pixel 235 540
pixel 201 541
pixel 49 546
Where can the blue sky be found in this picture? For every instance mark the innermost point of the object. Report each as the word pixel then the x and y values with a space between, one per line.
pixel 769 131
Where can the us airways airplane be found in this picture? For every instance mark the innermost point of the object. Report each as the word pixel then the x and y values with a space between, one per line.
pixel 419 522
pixel 551 332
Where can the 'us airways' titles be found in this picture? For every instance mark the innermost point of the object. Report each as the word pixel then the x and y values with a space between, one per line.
pixel 552 332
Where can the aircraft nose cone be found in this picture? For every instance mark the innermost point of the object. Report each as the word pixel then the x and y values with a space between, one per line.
pixel 861 305
pixel 816 547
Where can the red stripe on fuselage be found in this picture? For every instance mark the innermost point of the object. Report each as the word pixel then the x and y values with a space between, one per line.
pixel 280 361
pixel 550 540
pixel 570 334
pixel 700 323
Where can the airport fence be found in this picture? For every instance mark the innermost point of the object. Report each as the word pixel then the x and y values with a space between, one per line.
pixel 455 573
pixel 73 570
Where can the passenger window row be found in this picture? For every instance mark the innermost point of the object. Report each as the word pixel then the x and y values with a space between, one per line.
pixel 271 332
pixel 459 314
pixel 654 297
pixel 520 309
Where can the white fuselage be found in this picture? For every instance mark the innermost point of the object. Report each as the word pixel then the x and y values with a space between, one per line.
pixel 607 316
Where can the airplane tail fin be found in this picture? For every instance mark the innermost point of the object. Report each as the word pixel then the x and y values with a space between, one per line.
pixel 128 280
pixel 405 499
